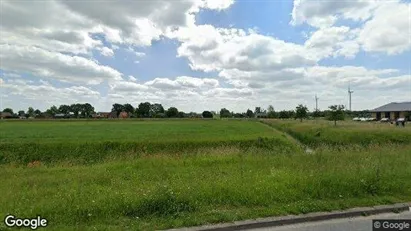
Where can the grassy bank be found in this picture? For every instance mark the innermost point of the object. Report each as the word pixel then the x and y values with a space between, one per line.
pixel 157 192
pixel 346 133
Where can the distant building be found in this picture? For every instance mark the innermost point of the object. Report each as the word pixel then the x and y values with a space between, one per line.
pixel 5 115
pixel 392 111
pixel 123 115
pixel 60 116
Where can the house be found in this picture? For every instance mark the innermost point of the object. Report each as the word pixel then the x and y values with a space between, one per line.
pixel 123 115
pixel 393 111
pixel 261 115
pixel 101 115
pixel 60 116
pixel 5 115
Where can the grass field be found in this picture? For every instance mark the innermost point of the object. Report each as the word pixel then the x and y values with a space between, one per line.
pixel 346 133
pixel 94 141
pixel 235 176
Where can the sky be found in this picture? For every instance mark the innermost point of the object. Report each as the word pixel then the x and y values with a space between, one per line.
pixel 201 55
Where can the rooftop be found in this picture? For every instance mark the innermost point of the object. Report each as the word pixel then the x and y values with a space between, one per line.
pixel 394 106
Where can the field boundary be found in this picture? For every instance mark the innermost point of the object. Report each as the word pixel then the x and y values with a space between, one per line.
pixel 295 219
pixel 290 137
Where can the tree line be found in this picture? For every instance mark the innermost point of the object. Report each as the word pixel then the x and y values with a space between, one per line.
pixel 156 110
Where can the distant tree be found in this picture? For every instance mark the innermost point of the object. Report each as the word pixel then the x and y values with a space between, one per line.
pixel 257 110
pixel 207 114
pixel 21 113
pixel 143 110
pixel 37 112
pixel 181 114
pixel 224 113
pixel 284 114
pixel 9 110
pixel 129 109
pixel 239 115
pixel 249 113
pixel 65 109
pixel 30 112
pixel 316 113
pixel 172 112
pixel 156 108
pixel 117 108
pixel 407 116
pixel 76 109
pixel 301 112
pixel 270 112
pixel 335 113
pixel 87 110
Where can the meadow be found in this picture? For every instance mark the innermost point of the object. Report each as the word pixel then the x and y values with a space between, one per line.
pixel 316 133
pixel 233 170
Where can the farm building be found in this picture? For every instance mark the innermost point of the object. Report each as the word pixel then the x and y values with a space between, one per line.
pixel 393 111
pixel 5 115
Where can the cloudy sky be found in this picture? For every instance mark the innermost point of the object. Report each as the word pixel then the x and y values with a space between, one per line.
pixel 204 54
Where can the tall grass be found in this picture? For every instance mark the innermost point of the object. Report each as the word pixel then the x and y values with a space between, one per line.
pixel 320 133
pixel 95 152
pixel 163 191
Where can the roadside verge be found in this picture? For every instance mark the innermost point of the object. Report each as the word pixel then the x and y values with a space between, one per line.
pixel 294 219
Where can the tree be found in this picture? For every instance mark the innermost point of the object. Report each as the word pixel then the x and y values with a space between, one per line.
pixel 87 110
pixel 52 110
pixel 9 110
pixel 129 109
pixel 224 113
pixel 21 113
pixel 284 114
pixel 207 114
pixel 37 112
pixel 30 112
pixel 336 113
pixel 249 113
pixel 257 110
pixel 156 109
pixel 65 109
pixel 239 115
pixel 172 112
pixel 271 113
pixel 76 109
pixel 143 110
pixel 181 114
pixel 301 112
pixel 117 108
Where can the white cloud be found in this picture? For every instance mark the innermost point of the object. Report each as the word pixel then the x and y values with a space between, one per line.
pixel 325 13
pixel 379 32
pixel 43 94
pixel 333 42
pixel 105 51
pixel 217 4
pixel 214 49
pixel 54 65
pixel 389 29
pixel 132 78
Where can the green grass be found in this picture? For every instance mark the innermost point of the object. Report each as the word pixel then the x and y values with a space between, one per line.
pixel 148 175
pixel 83 142
pixel 135 131
pixel 346 133
pixel 158 192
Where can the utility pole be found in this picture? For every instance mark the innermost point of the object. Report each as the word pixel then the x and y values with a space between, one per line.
pixel 349 94
pixel 316 102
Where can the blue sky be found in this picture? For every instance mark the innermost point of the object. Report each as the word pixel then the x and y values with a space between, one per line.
pixel 234 54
